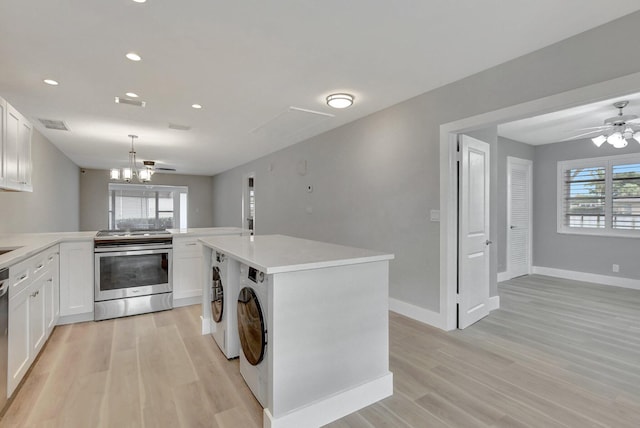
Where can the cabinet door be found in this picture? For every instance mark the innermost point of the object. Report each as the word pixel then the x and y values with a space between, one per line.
pixel 37 315
pixel 11 148
pixel 186 269
pixel 19 343
pixel 76 278
pixel 24 156
pixel 49 307
pixel 3 143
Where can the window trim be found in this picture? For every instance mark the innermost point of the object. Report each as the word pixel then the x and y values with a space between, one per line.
pixel 179 217
pixel 607 162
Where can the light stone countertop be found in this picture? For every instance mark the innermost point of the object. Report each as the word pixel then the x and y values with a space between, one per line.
pixel 279 253
pixel 28 244
pixel 207 231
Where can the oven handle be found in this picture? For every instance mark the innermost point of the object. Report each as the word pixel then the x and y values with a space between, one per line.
pixel 131 251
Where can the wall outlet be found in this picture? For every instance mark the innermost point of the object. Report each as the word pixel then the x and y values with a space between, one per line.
pixel 434 215
pixel 615 268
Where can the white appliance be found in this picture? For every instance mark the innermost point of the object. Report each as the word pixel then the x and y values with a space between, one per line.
pixel 224 294
pixel 252 330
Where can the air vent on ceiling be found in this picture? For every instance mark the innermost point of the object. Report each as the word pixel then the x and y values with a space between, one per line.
pixel 179 127
pixel 124 100
pixel 54 124
pixel 164 168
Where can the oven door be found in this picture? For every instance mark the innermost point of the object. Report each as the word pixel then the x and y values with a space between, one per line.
pixel 120 274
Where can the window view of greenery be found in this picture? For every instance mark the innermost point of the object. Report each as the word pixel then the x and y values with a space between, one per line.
pixel 587 196
pixel 626 196
pixel 146 207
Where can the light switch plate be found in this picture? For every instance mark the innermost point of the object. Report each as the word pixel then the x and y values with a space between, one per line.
pixel 434 215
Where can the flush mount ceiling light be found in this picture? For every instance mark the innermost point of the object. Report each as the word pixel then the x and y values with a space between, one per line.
pixel 133 56
pixel 617 130
pixel 132 94
pixel 139 1
pixel 128 173
pixel 51 82
pixel 196 106
pixel 340 100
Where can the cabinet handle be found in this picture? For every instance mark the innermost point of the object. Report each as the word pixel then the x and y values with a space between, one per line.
pixel 50 280
pixel 35 293
pixel 50 258
pixel 22 277
pixel 191 244
pixel 23 182
pixel 40 266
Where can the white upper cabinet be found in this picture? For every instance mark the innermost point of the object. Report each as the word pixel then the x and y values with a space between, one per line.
pixel 15 172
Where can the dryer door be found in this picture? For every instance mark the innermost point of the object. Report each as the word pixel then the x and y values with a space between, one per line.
pixel 251 326
pixel 217 295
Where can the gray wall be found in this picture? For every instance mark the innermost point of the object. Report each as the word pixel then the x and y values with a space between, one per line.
pixel 377 178
pixel 94 198
pixel 592 254
pixel 53 206
pixel 506 148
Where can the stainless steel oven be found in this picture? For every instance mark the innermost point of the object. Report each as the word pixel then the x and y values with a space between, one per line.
pixel 133 274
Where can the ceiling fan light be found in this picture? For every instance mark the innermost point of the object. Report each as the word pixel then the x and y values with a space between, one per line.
pixel 115 174
pixel 615 138
pixel 628 133
pixel 599 140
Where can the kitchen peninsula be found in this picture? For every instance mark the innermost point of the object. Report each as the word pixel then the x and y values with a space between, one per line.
pixel 325 337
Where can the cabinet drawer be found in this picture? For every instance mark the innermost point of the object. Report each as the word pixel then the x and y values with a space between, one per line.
pixel 20 277
pixel 184 247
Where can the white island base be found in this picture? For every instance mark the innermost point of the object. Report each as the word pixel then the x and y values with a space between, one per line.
pixel 327 319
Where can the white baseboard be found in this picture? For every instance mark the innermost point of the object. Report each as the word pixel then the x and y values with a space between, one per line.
pixel 417 313
pixel 72 319
pixel 503 276
pixel 187 301
pixel 615 281
pixel 494 303
pixel 334 407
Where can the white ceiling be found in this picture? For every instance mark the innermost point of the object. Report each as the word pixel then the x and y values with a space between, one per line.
pixel 247 62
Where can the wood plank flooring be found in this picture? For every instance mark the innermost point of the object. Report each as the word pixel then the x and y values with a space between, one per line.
pixel 557 354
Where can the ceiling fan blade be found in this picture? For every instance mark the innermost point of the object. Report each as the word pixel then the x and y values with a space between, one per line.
pixel 585 134
pixel 163 168
pixel 594 128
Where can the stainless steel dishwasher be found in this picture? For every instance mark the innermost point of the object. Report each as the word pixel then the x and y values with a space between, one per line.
pixel 4 334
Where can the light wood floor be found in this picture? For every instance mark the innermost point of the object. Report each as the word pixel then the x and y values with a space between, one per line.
pixel 558 353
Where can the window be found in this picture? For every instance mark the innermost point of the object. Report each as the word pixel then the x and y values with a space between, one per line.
pixel 147 207
pixel 600 196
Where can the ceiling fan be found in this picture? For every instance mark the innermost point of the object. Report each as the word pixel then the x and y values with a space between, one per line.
pixel 617 130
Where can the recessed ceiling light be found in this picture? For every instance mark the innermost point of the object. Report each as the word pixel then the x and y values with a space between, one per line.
pixel 133 56
pixel 340 100
pixel 196 106
pixel 140 1
pixel 132 94
pixel 50 82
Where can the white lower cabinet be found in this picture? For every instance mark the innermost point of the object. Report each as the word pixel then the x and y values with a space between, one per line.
pixel 187 254
pixel 32 307
pixel 76 280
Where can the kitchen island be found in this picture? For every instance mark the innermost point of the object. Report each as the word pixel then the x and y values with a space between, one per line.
pixel 326 332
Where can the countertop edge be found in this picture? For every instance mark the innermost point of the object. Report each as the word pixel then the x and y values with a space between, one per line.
pixel 45 241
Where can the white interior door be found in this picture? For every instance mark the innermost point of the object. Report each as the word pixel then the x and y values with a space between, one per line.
pixel 473 231
pixel 518 217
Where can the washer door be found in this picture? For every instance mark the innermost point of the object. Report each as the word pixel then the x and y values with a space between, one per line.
pixel 251 326
pixel 217 295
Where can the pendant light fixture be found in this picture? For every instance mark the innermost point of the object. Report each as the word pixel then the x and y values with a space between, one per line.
pixel 128 173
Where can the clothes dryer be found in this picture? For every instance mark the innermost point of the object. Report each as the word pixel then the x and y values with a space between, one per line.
pixel 224 292
pixel 252 331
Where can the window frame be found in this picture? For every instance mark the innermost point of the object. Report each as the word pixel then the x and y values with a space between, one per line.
pixel 607 162
pixel 179 218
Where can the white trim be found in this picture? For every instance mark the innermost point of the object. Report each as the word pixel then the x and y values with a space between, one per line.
pixel 72 319
pixel 187 301
pixel 504 276
pixel 528 164
pixel 417 313
pixel 615 281
pixel 334 407
pixel 448 186
pixel 494 303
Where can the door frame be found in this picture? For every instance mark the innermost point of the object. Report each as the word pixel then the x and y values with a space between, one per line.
pixel 446 318
pixel 511 160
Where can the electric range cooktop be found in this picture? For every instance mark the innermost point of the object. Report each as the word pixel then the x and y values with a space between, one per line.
pixel 133 233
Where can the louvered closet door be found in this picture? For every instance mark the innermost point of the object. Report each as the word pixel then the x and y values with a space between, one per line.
pixel 519 217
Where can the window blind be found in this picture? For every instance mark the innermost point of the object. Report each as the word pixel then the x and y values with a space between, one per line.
pixel 584 197
pixel 626 196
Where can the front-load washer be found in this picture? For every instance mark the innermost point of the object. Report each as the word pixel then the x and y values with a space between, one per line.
pixel 224 292
pixel 252 330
